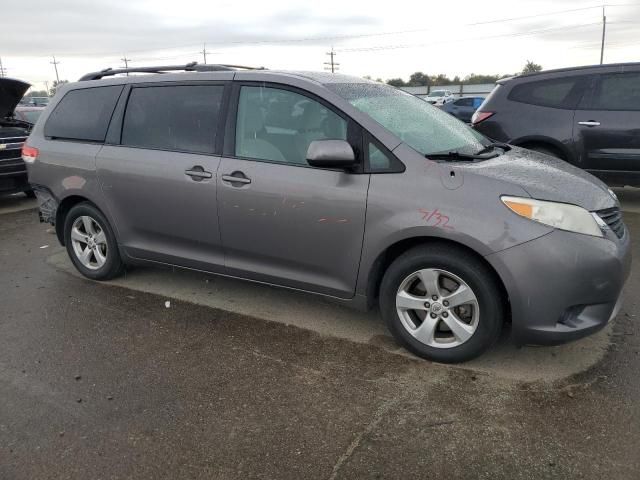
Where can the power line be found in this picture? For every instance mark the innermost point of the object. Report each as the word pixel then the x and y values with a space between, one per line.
pixel 416 45
pixel 55 65
pixel 604 28
pixel 204 52
pixel 331 65
pixel 365 35
pixel 126 62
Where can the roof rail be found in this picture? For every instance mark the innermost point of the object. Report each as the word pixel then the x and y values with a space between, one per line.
pixel 189 67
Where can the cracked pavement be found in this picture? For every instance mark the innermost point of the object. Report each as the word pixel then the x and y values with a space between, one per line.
pixel 103 381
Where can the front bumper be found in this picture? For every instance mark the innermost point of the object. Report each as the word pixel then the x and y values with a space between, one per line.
pixel 563 286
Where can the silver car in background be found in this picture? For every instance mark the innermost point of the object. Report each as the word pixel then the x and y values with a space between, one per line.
pixel 333 185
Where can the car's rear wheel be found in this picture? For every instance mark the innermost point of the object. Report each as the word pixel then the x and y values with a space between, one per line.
pixel 442 303
pixel 91 244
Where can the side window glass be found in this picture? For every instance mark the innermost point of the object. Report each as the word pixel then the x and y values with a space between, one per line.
pixel 178 118
pixel 619 91
pixel 378 160
pixel 278 125
pixel 83 114
pixel 546 93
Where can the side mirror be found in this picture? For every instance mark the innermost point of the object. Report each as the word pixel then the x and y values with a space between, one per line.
pixel 330 154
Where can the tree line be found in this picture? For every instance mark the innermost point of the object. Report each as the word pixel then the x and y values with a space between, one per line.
pixel 420 79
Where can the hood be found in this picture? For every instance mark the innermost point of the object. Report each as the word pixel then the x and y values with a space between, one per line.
pixel 547 178
pixel 11 92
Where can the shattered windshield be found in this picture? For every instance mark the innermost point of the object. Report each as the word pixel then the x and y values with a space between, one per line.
pixel 423 127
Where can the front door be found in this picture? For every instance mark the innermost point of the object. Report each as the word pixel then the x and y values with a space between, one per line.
pixel 283 221
pixel 607 125
pixel 160 183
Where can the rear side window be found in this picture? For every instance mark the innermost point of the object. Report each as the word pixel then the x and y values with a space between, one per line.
pixel 83 114
pixel 179 118
pixel 557 93
pixel 464 102
pixel 618 91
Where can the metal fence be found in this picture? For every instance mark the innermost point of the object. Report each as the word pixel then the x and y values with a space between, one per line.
pixel 462 90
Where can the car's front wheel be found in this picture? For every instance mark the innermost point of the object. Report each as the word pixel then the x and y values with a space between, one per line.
pixel 442 303
pixel 91 244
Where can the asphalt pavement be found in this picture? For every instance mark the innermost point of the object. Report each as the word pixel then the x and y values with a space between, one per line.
pixel 232 380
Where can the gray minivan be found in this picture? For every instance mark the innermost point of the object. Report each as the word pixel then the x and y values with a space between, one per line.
pixel 333 185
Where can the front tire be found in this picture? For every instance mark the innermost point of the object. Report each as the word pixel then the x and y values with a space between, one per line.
pixel 91 244
pixel 442 303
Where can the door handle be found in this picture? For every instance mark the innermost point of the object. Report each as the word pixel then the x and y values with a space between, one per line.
pixel 590 123
pixel 198 173
pixel 236 177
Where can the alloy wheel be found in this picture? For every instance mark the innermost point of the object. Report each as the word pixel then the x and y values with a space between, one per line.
pixel 89 242
pixel 437 308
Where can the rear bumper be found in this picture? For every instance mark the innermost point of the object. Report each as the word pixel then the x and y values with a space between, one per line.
pixel 563 286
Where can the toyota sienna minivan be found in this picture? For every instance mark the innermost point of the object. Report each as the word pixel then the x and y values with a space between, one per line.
pixel 333 185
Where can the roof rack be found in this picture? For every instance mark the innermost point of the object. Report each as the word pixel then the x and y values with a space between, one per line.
pixel 189 67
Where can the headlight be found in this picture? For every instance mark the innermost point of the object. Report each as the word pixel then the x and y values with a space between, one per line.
pixel 558 215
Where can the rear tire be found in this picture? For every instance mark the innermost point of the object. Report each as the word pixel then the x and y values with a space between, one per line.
pixel 91 244
pixel 420 299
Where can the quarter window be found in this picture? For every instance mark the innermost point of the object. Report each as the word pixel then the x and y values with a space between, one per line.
pixel 378 160
pixel 177 118
pixel 619 91
pixel 83 114
pixel 278 125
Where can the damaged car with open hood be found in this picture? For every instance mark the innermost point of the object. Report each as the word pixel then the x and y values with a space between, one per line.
pixel 333 185
pixel 13 133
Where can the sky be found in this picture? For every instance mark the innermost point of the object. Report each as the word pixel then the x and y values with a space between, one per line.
pixel 381 39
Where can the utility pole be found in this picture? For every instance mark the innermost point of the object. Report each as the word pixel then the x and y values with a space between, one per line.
pixel 331 65
pixel 1 68
pixel 204 52
pixel 126 62
pixel 604 29
pixel 55 65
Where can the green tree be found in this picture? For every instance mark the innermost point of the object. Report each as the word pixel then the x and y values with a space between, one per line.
pixel 419 79
pixel 36 93
pixel 531 67
pixel 56 84
pixel 474 79
pixel 396 82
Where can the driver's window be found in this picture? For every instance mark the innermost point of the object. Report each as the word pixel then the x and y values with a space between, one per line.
pixel 278 125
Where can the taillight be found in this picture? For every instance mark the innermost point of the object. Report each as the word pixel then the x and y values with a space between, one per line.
pixel 479 116
pixel 29 154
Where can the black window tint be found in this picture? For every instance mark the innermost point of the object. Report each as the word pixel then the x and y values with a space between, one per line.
pixel 180 117
pixel 464 102
pixel 83 114
pixel 546 93
pixel 619 91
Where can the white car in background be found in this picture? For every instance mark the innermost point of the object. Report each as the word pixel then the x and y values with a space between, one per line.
pixel 439 97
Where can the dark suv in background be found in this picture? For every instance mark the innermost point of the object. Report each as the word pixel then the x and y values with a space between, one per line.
pixel 588 116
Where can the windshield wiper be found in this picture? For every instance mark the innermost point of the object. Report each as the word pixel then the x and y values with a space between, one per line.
pixel 490 146
pixel 454 155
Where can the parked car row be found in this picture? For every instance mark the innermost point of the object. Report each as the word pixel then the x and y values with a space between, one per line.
pixel 355 190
